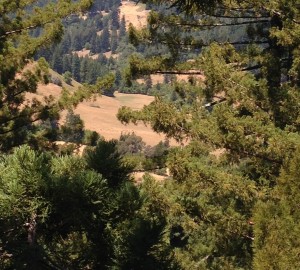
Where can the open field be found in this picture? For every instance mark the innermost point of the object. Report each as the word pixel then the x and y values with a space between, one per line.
pixel 100 114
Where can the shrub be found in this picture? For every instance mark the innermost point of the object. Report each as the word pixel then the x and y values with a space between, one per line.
pixel 91 138
pixel 68 77
pixel 56 80
pixel 130 143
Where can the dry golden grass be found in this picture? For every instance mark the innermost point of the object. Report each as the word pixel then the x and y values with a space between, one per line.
pixel 138 177
pixel 85 52
pixel 134 13
pixel 100 114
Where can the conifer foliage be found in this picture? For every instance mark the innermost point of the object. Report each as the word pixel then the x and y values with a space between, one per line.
pixel 232 199
pixel 240 125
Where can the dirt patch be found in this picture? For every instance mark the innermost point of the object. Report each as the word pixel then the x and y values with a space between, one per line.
pixel 218 152
pixel 138 177
pixel 85 52
pixel 109 54
pixel 134 13
pixel 159 78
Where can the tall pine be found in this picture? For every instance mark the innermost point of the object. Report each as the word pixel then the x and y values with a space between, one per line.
pixel 237 119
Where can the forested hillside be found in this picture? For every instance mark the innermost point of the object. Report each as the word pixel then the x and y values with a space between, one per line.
pixel 231 198
pixel 97 43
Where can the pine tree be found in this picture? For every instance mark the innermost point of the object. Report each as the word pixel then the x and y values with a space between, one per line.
pixel 57 63
pixel 115 19
pixel 54 216
pixel 83 68
pixel 76 67
pixel 73 128
pixel 104 40
pixel 114 41
pixel 66 63
pixel 122 30
pixel 240 124
pixel 277 222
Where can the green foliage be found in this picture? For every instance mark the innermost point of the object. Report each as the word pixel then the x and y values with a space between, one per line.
pixel 68 77
pixel 238 128
pixel 130 144
pixel 106 160
pixel 56 80
pixel 72 130
pixel 277 223
pixel 57 212
pixel 43 202
pixel 91 137
pixel 233 196
pixel 142 243
pixel 156 156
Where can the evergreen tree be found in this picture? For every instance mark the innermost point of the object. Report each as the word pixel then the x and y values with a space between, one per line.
pixel 106 160
pixel 114 41
pixel 277 222
pixel 73 128
pixel 241 123
pixel 57 213
pixel 118 78
pixel 84 68
pixel 148 82
pixel 76 67
pixel 57 62
pixel 76 43
pixel 104 40
pixel 122 30
pixel 66 63
pixel 67 77
pixel 115 19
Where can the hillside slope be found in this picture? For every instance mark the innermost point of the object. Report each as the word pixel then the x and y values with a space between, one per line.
pixel 100 114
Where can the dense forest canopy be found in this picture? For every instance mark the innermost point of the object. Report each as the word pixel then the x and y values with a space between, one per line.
pixel 232 198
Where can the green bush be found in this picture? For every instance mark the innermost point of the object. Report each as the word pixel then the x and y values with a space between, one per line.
pixel 91 137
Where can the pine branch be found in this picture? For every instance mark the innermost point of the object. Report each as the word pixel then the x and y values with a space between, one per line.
pixel 24 116
pixel 199 45
pixel 210 104
pixel 253 154
pixel 280 15
pixel 8 33
pixel 19 127
pixel 240 17
pixel 251 68
pixel 11 97
pixel 221 24
pixel 179 72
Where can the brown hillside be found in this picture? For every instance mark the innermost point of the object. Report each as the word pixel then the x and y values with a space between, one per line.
pixel 134 13
pixel 100 114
